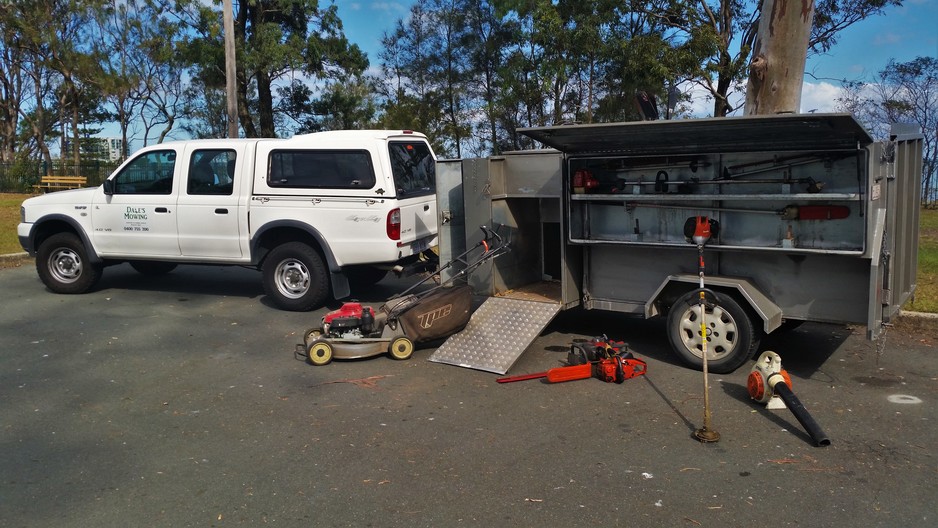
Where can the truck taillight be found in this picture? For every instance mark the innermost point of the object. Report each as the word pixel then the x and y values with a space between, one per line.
pixel 394 224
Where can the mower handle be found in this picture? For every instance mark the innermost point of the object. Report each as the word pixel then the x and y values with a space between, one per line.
pixel 490 234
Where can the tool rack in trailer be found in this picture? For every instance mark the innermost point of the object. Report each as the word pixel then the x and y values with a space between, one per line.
pixel 817 223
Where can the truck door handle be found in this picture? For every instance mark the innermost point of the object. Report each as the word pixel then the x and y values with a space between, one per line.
pixel 426 207
pixel 162 210
pixel 221 211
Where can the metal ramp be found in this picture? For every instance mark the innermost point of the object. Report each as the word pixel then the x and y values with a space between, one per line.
pixel 496 335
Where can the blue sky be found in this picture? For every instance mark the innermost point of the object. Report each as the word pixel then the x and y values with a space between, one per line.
pixel 862 51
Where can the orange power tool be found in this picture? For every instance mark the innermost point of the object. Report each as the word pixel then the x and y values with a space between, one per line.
pixel 600 358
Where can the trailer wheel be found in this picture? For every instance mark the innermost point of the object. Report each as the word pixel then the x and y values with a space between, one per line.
pixel 401 348
pixel 319 353
pixel 295 277
pixel 311 335
pixel 731 336
pixel 63 266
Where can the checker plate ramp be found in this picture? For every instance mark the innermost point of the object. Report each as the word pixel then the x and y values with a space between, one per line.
pixel 496 335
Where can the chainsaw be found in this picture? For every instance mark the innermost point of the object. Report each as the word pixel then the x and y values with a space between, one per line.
pixel 610 361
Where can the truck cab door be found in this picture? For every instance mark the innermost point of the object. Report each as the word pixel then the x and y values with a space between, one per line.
pixel 211 213
pixel 138 217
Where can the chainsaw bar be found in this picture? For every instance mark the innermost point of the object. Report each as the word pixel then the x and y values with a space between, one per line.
pixel 615 369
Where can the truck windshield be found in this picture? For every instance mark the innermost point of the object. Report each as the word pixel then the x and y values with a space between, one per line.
pixel 413 167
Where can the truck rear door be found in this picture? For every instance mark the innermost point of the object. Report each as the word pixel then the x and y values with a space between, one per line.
pixel 210 210
pixel 413 167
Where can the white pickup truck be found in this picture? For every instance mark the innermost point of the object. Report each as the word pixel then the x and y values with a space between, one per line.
pixel 311 212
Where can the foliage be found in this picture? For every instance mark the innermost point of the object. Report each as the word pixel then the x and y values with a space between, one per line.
pixel 469 73
pixel 926 293
pixel 902 93
pixel 275 39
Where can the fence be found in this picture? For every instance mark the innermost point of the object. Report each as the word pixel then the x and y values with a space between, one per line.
pixel 22 175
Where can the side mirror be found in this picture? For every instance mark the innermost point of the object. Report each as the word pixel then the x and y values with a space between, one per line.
pixel 108 187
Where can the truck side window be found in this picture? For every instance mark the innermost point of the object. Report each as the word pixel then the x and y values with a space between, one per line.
pixel 151 173
pixel 211 171
pixel 413 167
pixel 321 169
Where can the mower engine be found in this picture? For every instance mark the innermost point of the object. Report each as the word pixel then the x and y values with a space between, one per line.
pixel 351 321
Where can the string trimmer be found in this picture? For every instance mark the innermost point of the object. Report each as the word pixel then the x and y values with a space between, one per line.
pixel 698 230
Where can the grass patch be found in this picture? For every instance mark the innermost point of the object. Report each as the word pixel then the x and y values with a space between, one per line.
pixel 925 300
pixel 9 217
pixel 926 289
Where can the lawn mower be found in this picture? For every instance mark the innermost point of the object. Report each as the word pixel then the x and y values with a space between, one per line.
pixel 355 331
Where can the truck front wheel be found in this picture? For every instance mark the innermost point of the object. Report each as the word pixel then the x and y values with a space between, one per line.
pixel 731 336
pixel 63 265
pixel 295 277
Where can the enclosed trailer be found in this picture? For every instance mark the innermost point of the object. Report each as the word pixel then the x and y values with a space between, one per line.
pixel 817 222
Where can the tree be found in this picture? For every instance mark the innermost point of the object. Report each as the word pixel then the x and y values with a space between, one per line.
pixel 725 31
pixel 54 37
pixel 13 89
pixel 276 40
pixel 776 73
pixel 903 92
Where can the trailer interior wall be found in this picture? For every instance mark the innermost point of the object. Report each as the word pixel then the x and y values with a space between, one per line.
pixel 520 196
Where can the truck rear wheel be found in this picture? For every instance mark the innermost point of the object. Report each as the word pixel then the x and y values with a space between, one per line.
pixel 63 266
pixel 295 277
pixel 731 336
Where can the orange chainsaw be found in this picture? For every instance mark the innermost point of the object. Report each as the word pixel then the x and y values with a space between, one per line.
pixel 607 360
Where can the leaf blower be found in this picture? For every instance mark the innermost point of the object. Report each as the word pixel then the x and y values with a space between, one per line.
pixel 768 381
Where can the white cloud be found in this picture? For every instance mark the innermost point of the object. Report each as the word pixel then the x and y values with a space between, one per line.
pixel 819 97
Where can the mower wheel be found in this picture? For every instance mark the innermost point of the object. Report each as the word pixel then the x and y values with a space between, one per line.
pixel 319 353
pixel 401 348
pixel 311 335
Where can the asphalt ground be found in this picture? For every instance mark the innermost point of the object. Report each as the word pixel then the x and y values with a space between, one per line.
pixel 178 401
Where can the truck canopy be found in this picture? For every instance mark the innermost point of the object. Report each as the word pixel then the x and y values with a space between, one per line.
pixel 696 136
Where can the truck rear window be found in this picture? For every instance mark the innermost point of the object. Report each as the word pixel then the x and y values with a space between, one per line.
pixel 413 167
pixel 321 169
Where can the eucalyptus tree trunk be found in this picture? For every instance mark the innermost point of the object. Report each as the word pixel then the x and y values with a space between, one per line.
pixel 776 72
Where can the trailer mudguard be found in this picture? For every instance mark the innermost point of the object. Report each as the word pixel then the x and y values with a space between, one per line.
pixel 768 311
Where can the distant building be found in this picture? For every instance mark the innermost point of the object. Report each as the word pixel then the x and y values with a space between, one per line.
pixel 101 149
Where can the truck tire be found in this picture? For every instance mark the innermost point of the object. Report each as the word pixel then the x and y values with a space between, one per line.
pixel 63 265
pixel 295 277
pixel 152 267
pixel 732 335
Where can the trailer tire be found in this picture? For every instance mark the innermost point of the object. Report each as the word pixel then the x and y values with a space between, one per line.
pixel 63 265
pixel 401 348
pixel 295 277
pixel 319 353
pixel 732 337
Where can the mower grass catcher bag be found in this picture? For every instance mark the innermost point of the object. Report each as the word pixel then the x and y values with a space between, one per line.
pixel 440 314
